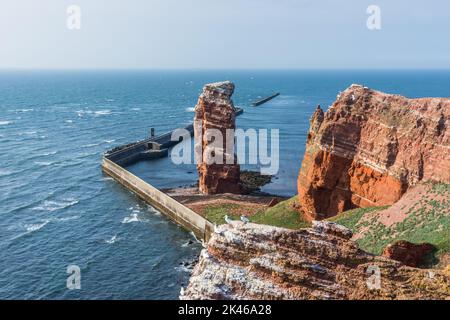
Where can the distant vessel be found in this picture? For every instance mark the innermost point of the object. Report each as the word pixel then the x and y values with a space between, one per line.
pixel 264 100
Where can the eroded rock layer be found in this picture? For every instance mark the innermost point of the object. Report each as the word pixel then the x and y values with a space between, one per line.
pixel 250 261
pixel 215 113
pixel 369 148
pixel 408 253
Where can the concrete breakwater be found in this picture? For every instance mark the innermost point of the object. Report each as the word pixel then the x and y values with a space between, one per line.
pixel 264 100
pixel 192 221
pixel 115 160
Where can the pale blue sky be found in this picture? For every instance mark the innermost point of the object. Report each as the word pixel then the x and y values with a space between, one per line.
pixel 211 34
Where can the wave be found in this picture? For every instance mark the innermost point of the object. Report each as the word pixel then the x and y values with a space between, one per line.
pixel 132 218
pixel 5 123
pixel 153 210
pixel 102 112
pixel 90 145
pixel 43 163
pixel 35 226
pixel 50 153
pixel 67 218
pixel 190 109
pixel 97 113
pixel 50 205
pixel 4 172
pixel 135 109
pixel 109 141
pixel 27 133
pixel 112 240
pixel 20 110
pixel 68 121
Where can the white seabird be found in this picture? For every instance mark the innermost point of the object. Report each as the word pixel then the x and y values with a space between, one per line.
pixel 227 219
pixel 244 219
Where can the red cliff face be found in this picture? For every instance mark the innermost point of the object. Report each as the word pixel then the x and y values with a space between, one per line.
pixel 369 148
pixel 215 113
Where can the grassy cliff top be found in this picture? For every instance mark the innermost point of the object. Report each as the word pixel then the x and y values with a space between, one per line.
pixel 421 215
pixel 283 214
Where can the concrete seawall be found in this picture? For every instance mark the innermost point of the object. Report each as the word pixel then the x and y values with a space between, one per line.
pixel 116 159
pixel 192 221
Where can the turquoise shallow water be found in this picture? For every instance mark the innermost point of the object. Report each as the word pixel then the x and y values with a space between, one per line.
pixel 56 206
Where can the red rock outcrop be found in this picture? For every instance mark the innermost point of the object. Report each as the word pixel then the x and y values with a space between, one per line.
pixel 369 148
pixel 250 261
pixel 408 253
pixel 217 167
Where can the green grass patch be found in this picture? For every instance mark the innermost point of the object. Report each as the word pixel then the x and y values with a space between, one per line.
pixel 428 220
pixel 351 218
pixel 216 213
pixel 282 215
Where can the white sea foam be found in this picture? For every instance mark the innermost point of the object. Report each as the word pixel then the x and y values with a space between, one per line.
pixel 186 244
pixel 4 172
pixel 187 269
pixel 109 141
pixel 190 109
pixel 153 210
pixel 67 218
pixel 21 110
pixel 50 205
pixel 132 218
pixel 195 237
pixel 135 109
pixel 90 145
pixel 35 226
pixel 102 112
pixel 27 133
pixel 50 153
pixel 112 240
pixel 81 113
pixel 5 123
pixel 68 121
pixel 43 163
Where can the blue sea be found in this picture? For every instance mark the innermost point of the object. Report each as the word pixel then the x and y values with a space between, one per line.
pixel 58 209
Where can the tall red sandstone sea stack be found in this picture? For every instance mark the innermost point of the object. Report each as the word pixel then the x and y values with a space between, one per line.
pixel 215 110
pixel 369 148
